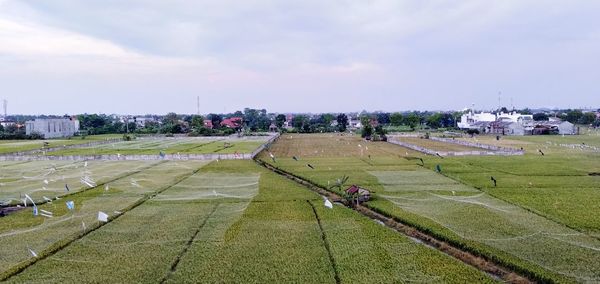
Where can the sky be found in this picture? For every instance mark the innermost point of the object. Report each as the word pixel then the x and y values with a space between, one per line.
pixel 139 57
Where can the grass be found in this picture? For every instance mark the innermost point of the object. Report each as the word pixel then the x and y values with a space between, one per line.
pixel 550 198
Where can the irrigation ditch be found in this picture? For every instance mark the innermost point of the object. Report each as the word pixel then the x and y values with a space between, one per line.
pixel 485 264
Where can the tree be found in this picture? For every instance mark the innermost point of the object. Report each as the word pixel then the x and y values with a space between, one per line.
pixel 197 121
pixel 540 116
pixel 435 120
pixel 342 120
pixel 587 118
pixel 365 119
pixel 525 111
pixel 327 118
pixel 413 119
pixel 171 118
pixel 280 119
pixel 396 119
pixel 383 118
pixel 367 131
pixel 299 121
pixel 216 120
pixel 573 116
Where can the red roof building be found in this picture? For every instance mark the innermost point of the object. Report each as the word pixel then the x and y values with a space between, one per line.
pixel 361 194
pixel 208 124
pixel 232 122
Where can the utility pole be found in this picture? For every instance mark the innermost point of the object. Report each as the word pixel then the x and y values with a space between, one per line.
pixel 198 105
pixel 5 106
pixel 499 101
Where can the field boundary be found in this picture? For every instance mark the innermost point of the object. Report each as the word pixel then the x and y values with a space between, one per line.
pixel 492 150
pixel 479 262
pixel 60 245
pixel 188 244
pixel 326 244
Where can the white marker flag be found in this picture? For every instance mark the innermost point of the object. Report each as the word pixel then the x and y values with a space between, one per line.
pixel 102 217
pixel 328 204
pixel 32 252
pixel 26 198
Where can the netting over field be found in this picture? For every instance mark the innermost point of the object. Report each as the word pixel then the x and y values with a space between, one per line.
pixel 477 216
pixel 50 179
pixel 21 232
pixel 214 186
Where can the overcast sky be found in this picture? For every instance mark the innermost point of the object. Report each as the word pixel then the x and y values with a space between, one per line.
pixel 114 56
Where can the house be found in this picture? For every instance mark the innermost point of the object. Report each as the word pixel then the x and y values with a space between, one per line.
pixel 360 193
pixel 232 122
pixel 6 123
pixel 141 121
pixel 554 127
pixel 506 128
pixel 355 123
pixel 473 120
pixel 208 124
pixel 288 121
pixel 468 120
pixel 53 127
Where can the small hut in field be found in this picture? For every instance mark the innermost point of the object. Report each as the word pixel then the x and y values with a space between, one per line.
pixel 358 193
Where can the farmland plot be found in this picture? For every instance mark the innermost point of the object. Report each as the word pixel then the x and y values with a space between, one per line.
pixel 476 216
pixel 555 193
pixel 10 146
pixel 258 227
pixel 153 146
pixel 20 232
pixel 51 179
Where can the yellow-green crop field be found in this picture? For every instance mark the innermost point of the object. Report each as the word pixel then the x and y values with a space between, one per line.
pixel 196 222
pixel 541 219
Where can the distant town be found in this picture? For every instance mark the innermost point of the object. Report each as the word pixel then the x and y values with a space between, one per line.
pixel 498 122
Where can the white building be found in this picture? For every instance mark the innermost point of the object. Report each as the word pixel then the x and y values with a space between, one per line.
pixel 469 120
pixel 53 127
pixel 473 120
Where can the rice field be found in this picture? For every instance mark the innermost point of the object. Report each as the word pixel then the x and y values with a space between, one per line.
pixel 435 145
pixel 540 218
pixel 21 231
pixel 228 221
pixel 154 146
pixel 11 146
